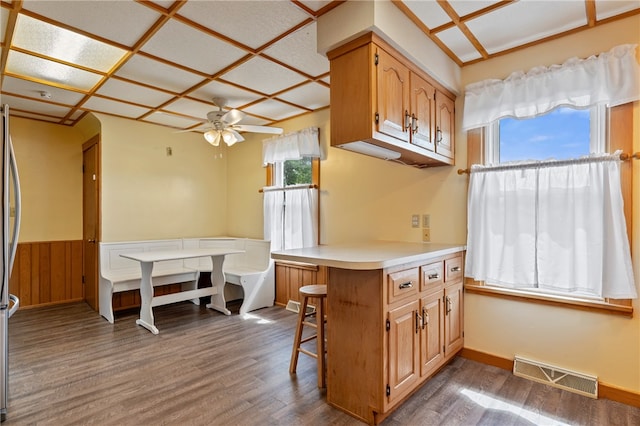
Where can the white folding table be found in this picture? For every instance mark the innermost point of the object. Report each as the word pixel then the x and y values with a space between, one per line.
pixel 148 301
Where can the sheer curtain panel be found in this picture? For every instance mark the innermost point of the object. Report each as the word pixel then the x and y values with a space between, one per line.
pixel 612 78
pixel 556 226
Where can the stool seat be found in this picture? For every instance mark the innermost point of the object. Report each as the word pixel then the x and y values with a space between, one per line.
pixel 318 292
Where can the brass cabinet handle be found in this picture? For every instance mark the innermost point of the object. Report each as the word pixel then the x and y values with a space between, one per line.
pixel 438 135
pixel 448 309
pixel 414 124
pixel 418 320
pixel 425 317
pixel 407 121
pixel 408 284
pixel 434 276
pixel 455 269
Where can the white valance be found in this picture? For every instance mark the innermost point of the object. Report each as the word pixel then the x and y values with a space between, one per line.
pixel 612 78
pixel 292 146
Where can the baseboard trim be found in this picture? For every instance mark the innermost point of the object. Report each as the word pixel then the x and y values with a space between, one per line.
pixel 605 391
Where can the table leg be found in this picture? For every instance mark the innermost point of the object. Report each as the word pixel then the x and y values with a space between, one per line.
pixel 146 296
pixel 217 280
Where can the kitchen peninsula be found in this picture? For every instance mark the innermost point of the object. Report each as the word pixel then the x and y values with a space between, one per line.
pixel 394 317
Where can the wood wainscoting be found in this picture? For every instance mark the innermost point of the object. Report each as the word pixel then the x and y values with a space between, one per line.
pixel 290 276
pixel 47 272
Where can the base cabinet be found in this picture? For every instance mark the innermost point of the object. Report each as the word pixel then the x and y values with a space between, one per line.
pixel 389 331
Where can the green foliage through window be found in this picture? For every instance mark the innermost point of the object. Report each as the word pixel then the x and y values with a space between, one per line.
pixel 297 172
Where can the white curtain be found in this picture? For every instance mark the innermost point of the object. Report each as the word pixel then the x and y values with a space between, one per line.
pixel 556 226
pixel 292 146
pixel 291 214
pixel 612 78
pixel 274 217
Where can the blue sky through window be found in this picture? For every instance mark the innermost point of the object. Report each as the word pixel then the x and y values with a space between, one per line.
pixel 561 134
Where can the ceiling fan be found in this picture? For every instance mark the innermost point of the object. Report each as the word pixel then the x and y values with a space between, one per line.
pixel 224 125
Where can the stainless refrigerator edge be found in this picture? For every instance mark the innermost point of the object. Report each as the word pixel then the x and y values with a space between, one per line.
pixel 10 226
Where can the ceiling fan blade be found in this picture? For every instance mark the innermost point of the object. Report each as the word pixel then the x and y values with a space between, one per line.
pixel 195 129
pixel 232 117
pixel 258 129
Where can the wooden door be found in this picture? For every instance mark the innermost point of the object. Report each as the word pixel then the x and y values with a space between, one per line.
pixel 404 363
pixel 453 318
pixel 90 219
pixel 423 113
pixel 445 126
pixel 393 94
pixel 432 334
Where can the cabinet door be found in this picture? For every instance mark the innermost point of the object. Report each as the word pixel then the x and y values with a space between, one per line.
pixel 445 126
pixel 403 350
pixel 432 334
pixel 423 113
pixel 453 318
pixel 393 94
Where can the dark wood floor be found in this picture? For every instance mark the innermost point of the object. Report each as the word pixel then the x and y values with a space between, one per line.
pixel 71 367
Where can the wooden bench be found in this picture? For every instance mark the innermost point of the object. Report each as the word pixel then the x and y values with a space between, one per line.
pixel 252 270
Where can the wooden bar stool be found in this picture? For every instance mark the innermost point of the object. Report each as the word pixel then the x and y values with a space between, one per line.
pixel 318 292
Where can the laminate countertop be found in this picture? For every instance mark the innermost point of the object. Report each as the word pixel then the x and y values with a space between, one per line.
pixel 367 255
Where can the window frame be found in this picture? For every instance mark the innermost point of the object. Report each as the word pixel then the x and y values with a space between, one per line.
pixel 617 126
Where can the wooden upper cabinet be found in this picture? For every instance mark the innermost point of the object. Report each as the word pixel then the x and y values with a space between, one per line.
pixel 445 127
pixel 393 95
pixel 423 112
pixel 380 97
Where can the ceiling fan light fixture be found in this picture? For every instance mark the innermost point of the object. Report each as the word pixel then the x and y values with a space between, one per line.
pixel 213 137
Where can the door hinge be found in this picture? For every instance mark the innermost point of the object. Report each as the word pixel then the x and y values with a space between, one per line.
pixel 376 58
pixel 377 116
pixel 388 325
pixel 388 390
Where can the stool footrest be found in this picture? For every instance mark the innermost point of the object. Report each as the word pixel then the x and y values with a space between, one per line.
pixel 306 352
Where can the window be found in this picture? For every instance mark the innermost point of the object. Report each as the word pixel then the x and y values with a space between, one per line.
pixel 561 134
pixel 293 172
pixel 484 146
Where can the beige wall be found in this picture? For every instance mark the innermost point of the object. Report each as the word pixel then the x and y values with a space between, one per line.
pixel 604 345
pixel 49 160
pixel 147 194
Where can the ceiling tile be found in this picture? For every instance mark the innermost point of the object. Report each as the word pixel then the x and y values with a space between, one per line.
pixel 32 66
pixel 235 96
pixel 4 18
pixel 170 120
pixel 68 46
pixel 123 90
pixel 164 3
pixel 34 116
pixel 299 50
pixel 35 107
pixel 464 8
pixel 311 95
pixel 252 23
pixel 429 12
pixel 455 40
pixel 184 45
pixel 112 107
pixel 263 75
pixel 98 17
pixel 608 8
pixel 32 90
pixel 273 109
pixel 315 5
pixel 191 107
pixel 526 21
pixel 156 73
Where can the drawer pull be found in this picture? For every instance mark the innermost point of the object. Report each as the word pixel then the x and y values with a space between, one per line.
pixel 408 284
pixel 434 276
pixel 455 269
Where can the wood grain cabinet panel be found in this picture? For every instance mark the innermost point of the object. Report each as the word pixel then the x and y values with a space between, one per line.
pixel 380 97
pixel 290 276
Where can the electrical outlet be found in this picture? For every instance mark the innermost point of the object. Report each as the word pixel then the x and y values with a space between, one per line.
pixel 426 235
pixel 415 221
pixel 426 220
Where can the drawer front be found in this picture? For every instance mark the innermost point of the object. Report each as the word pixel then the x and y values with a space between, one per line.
pixel 453 269
pixel 432 276
pixel 403 283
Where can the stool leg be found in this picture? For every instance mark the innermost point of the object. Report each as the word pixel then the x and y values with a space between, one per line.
pixel 296 341
pixel 322 367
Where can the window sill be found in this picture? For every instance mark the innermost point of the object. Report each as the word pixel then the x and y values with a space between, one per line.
pixel 567 302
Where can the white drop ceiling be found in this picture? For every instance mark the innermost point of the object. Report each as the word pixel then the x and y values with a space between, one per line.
pixel 162 62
